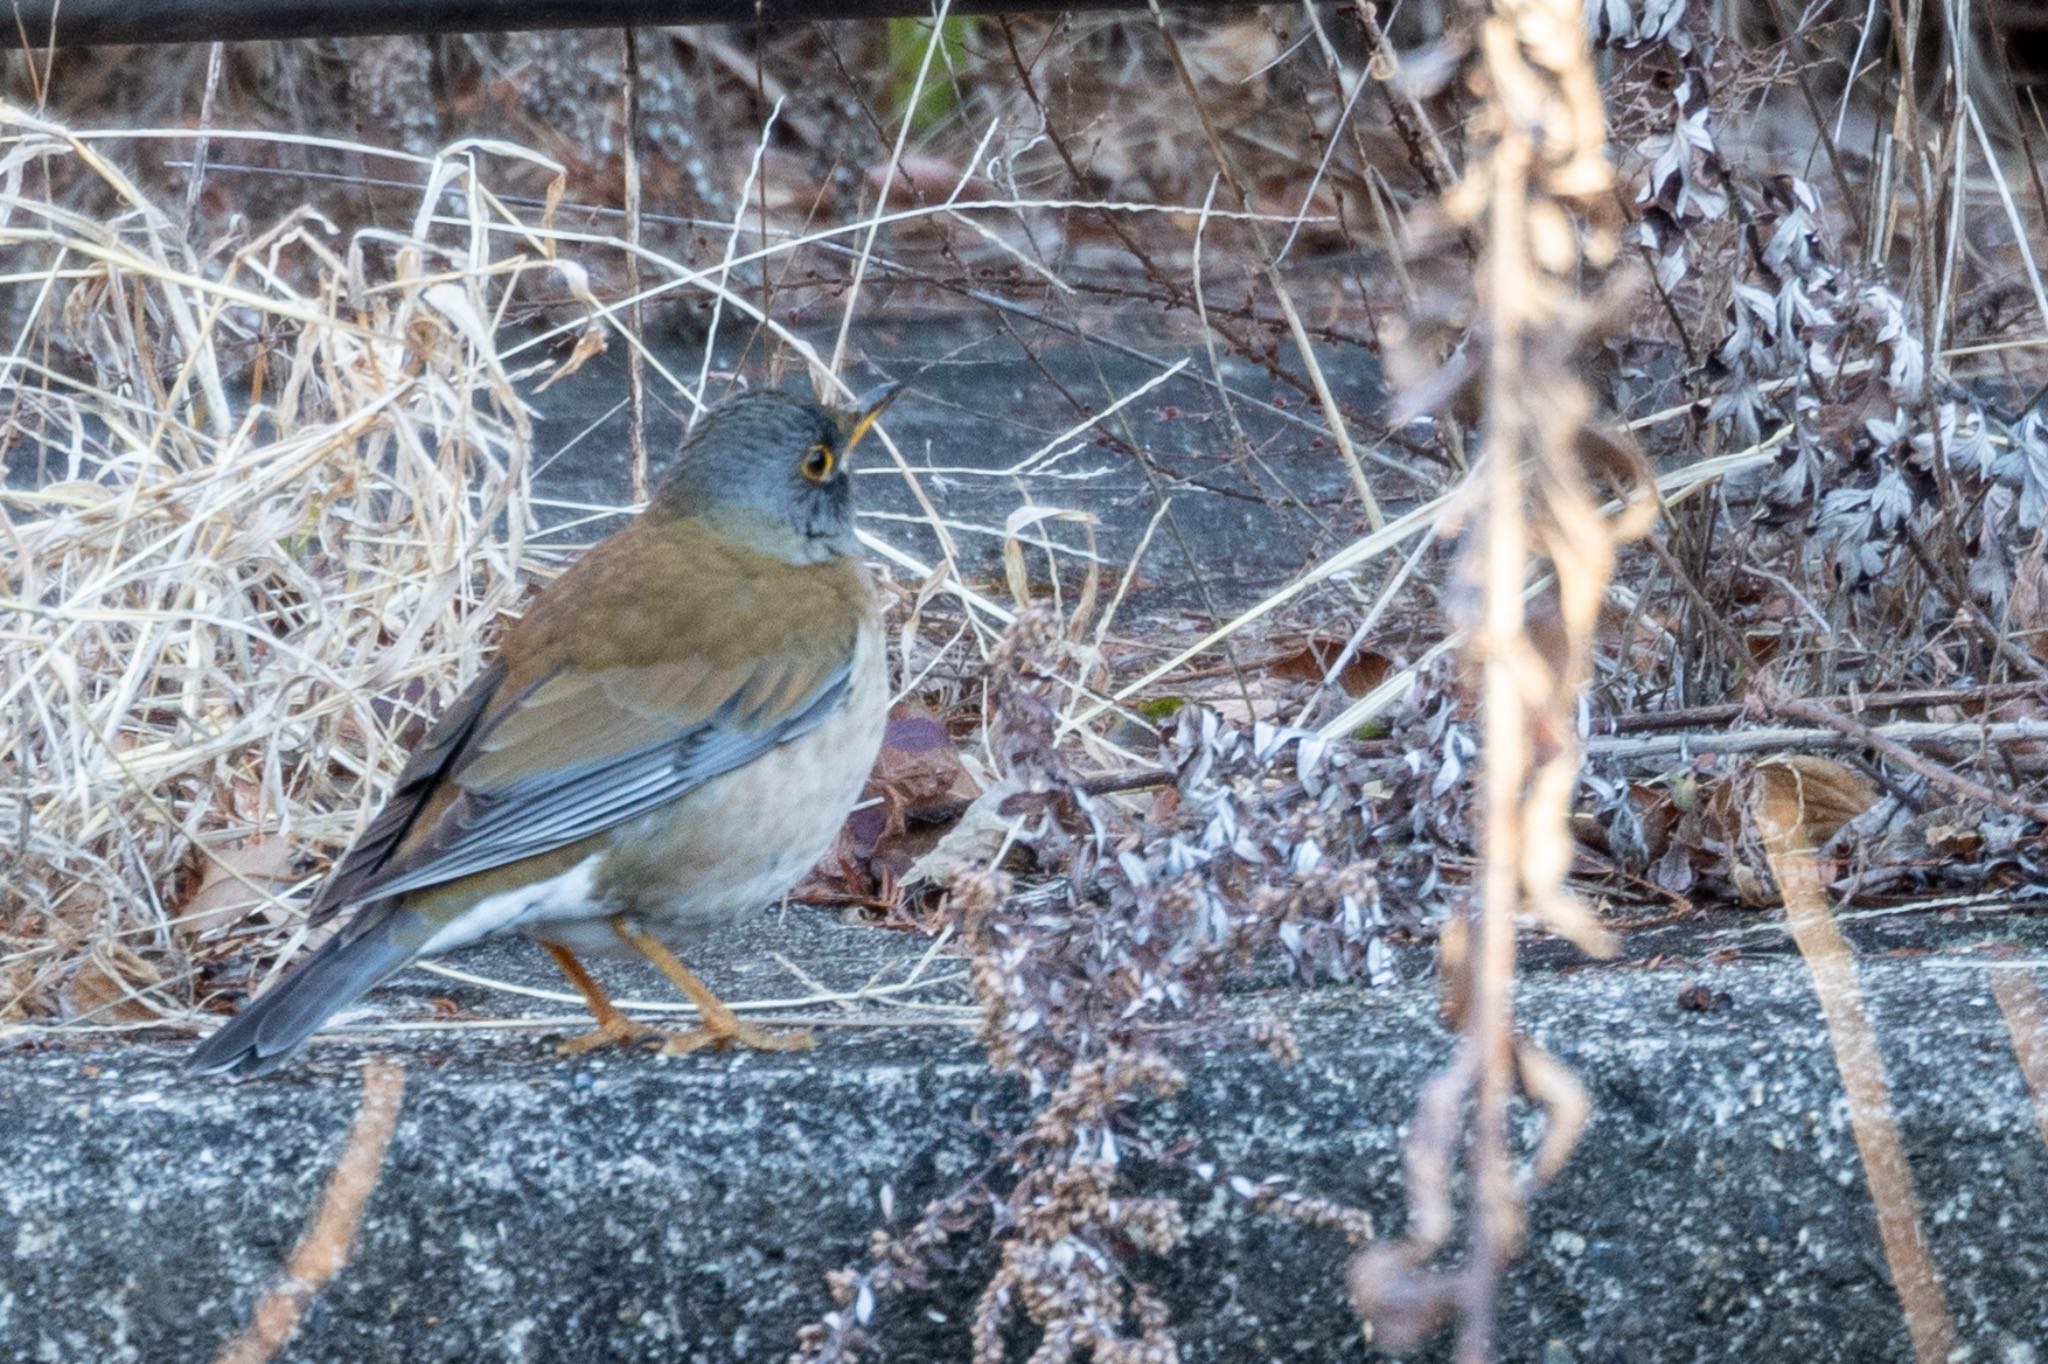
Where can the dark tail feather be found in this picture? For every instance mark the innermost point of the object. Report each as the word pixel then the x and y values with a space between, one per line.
pixel 264 1034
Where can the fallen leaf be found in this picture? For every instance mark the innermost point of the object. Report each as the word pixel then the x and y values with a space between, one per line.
pixel 2026 615
pixel 1829 793
pixel 1235 58
pixel 919 763
pixel 234 881
pixel 917 788
pixel 1698 998
pixel 974 840
pixel 789 188
pixel 592 342
pixel 107 986
pixel 932 179
pixel 1311 662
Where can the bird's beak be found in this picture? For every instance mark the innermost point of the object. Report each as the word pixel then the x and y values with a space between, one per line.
pixel 866 408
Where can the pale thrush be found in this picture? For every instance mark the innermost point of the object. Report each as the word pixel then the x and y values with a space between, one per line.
pixel 669 737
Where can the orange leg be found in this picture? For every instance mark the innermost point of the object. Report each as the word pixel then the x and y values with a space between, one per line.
pixel 721 1026
pixel 613 1027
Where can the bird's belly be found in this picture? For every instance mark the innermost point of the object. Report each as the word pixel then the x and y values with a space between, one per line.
pixel 743 839
pixel 732 845
pixel 531 908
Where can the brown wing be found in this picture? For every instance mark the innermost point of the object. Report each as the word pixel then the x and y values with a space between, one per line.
pixel 353 875
pixel 707 659
pixel 547 793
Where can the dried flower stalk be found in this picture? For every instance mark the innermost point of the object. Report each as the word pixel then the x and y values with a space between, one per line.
pixel 1541 171
pixel 324 1252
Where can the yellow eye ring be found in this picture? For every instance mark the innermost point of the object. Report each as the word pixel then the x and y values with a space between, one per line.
pixel 818 462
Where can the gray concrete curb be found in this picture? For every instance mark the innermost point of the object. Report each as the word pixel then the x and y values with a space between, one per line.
pixel 633 1209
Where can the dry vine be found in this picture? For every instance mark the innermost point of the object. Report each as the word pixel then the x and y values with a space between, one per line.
pixel 1541 167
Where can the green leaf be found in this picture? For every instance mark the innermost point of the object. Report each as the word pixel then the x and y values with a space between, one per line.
pixel 1161 708
pixel 908 39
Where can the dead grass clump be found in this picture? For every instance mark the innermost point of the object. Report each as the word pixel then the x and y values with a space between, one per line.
pixel 291 487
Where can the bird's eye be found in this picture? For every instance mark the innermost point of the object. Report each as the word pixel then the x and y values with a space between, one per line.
pixel 817 464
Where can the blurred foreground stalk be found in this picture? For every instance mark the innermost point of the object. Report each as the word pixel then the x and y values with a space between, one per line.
pixel 1531 197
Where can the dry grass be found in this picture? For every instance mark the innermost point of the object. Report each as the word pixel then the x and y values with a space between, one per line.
pixel 293 493
pixel 282 490
pixel 295 496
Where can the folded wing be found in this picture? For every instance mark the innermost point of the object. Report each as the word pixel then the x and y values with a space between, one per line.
pixel 577 753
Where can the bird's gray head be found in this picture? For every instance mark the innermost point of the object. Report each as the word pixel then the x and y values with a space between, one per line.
pixel 769 470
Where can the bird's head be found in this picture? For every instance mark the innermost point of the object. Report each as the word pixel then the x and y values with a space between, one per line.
pixel 770 471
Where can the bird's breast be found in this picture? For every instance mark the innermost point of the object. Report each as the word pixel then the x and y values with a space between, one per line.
pixel 743 839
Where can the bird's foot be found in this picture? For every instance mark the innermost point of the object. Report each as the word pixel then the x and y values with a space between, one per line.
pixel 616 1031
pixel 723 1032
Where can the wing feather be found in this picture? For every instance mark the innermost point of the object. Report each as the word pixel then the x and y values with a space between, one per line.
pixel 353 879
pixel 497 820
pixel 661 660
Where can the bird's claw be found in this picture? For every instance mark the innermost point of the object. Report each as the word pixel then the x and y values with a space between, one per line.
pixel 746 1034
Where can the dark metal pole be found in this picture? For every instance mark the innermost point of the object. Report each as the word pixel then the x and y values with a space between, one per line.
pixel 86 23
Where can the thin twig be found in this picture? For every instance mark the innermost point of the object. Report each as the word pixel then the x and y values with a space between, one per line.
pixel 1873 737
pixel 867 245
pixel 1269 263
pixel 636 360
pixel 324 1250
pixel 1948 733
pixel 1691 717
pixel 197 178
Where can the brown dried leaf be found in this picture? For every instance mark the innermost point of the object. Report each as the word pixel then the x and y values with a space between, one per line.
pixel 974 840
pixel 235 881
pixel 2027 607
pixel 917 785
pixel 790 188
pixel 1949 834
pixel 932 179
pixel 1954 839
pixel 1362 672
pixel 1657 814
pixel 592 342
pixel 106 986
pixel 1235 58
pixel 1828 794
pixel 919 763
pixel 1701 998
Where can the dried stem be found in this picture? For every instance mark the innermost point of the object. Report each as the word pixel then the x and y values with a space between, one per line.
pixel 324 1251
pixel 1963 786
pixel 2026 1018
pixel 1779 810
pixel 1542 165
pixel 636 359
pixel 1836 732
pixel 1269 263
pixel 196 182
pixel 1658 721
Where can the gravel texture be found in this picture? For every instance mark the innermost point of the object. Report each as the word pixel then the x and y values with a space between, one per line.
pixel 625 1207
